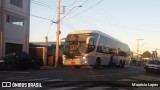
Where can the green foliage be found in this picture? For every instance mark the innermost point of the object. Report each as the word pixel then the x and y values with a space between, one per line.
pixel 146 54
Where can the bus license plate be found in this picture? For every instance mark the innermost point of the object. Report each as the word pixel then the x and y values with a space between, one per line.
pixel 72 62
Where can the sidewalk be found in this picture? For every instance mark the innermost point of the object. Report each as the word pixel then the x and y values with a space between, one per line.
pixel 50 67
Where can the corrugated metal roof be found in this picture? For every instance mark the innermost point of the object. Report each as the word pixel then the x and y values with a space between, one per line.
pixel 43 43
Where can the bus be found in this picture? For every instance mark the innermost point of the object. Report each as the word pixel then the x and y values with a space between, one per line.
pixel 94 48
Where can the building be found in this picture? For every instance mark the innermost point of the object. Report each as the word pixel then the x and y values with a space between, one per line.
pixel 14 26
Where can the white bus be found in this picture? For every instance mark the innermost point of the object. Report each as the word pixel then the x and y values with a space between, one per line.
pixel 94 48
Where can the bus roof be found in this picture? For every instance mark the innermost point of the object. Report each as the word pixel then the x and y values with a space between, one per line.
pixel 95 31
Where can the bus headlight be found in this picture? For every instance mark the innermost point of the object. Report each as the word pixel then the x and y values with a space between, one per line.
pixel 84 58
pixel 85 62
pixel 65 56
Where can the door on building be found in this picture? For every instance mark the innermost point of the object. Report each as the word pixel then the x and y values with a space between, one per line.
pixel 36 52
pixel 13 47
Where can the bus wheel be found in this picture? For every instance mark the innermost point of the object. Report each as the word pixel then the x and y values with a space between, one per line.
pixel 123 64
pixel 97 64
pixel 77 67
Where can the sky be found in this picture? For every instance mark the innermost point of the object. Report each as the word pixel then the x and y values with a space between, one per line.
pixel 125 20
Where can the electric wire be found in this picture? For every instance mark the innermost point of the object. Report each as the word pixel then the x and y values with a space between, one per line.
pixel 72 3
pixel 43 4
pixel 128 28
pixel 31 15
pixel 84 2
pixel 88 8
pixel 69 12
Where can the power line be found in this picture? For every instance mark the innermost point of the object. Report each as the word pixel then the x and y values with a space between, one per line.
pixel 32 15
pixel 122 26
pixel 76 1
pixel 69 12
pixel 74 10
pixel 43 18
pixel 88 8
pixel 39 2
pixel 42 4
pixel 69 26
pixel 129 28
pixel 52 22
pixel 84 2
pixel 72 3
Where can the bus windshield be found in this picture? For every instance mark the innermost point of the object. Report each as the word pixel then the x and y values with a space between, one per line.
pixel 75 44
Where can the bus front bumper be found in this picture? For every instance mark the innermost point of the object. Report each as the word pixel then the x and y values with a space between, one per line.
pixel 75 62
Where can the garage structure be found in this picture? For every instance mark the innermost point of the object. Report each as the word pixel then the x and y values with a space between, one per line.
pixel 38 49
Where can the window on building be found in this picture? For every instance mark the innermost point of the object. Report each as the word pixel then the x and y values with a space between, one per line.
pixel 15 20
pixel 17 3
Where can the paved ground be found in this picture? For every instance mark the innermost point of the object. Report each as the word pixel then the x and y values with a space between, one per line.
pixel 67 78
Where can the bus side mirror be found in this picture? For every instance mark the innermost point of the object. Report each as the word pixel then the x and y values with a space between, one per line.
pixel 89 39
pixel 62 40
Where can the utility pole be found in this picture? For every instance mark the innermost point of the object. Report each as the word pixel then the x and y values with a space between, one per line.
pixel 57 35
pixel 46 51
pixel 1 41
pixel 138 49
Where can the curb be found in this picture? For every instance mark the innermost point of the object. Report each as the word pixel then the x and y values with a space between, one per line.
pixel 51 67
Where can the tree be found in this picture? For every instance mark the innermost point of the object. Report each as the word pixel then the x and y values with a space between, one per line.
pixel 146 54
pixel 154 54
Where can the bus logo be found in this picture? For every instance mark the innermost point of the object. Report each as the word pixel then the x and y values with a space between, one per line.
pixel 6 84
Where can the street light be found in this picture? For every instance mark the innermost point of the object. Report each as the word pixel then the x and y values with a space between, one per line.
pixel 138 45
pixel 138 49
pixel 141 46
pixel 70 11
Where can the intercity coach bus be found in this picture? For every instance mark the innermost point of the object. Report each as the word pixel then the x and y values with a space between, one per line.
pixel 94 48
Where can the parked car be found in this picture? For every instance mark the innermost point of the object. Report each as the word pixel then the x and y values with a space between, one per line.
pixel 2 64
pixel 37 62
pixel 21 60
pixel 153 66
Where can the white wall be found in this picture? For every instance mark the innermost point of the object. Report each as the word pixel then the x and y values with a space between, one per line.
pixel 0 15
pixel 22 11
pixel 14 33
pixel 0 3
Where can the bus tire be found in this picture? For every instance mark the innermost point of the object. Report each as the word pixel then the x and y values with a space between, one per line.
pixel 123 64
pixel 77 67
pixel 97 64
